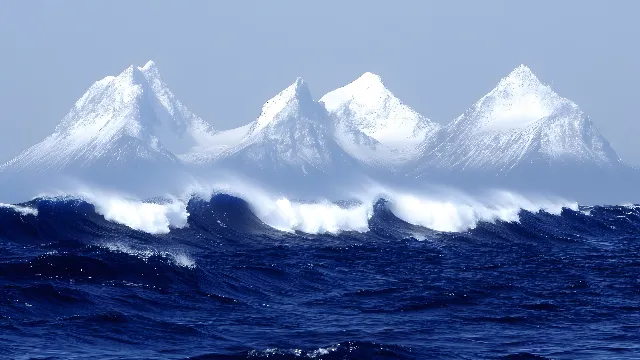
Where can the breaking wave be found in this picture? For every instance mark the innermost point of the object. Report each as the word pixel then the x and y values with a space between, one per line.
pixel 443 210
pixel 23 210
pixel 175 273
pixel 459 213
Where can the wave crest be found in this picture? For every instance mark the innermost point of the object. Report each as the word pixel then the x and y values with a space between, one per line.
pixel 22 210
pixel 314 218
pixel 439 210
pixel 460 213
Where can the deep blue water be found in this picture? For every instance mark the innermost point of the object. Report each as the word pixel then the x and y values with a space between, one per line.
pixel 73 285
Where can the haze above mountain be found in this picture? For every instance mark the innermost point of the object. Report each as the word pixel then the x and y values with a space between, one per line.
pixel 130 129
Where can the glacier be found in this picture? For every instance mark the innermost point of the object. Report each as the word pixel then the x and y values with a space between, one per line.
pixel 129 133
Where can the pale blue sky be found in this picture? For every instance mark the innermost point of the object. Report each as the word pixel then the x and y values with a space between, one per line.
pixel 225 59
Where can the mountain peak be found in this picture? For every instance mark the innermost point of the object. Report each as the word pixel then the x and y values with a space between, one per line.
pixel 138 104
pixel 518 101
pixel 369 78
pixel 299 89
pixel 365 108
pixel 293 98
pixel 367 90
pixel 131 77
pixel 521 77
pixel 150 65
pixel 139 75
pixel 522 72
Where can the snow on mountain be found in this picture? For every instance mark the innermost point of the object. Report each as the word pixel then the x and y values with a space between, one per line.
pixel 519 123
pixel 130 131
pixel 373 125
pixel 518 101
pixel 218 145
pixel 292 138
pixel 125 124
pixel 120 118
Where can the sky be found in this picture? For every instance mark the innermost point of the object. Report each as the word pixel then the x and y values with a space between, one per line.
pixel 224 59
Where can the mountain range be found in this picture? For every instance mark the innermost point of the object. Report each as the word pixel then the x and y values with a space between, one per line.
pixel 130 131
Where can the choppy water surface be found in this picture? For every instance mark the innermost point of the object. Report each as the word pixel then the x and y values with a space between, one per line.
pixel 74 285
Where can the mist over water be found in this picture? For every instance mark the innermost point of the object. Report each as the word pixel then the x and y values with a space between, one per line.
pixel 347 208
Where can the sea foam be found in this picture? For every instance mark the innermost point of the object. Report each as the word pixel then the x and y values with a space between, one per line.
pixel 22 210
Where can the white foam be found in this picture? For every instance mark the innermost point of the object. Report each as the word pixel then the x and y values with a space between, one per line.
pixel 456 212
pixel 586 211
pixel 438 209
pixel 178 259
pixel 281 213
pixel 314 218
pixel 150 217
pixel 448 210
pixel 153 218
pixel 22 210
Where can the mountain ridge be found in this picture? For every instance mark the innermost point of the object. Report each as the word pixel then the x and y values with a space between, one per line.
pixel 291 141
pixel 123 132
pixel 373 125
pixel 518 130
pixel 134 110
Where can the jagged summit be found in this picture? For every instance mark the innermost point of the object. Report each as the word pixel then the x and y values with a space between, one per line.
pixel 291 107
pixel 95 110
pixel 130 129
pixel 288 100
pixel 522 74
pixel 369 77
pixel 291 139
pixel 367 89
pixel 373 125
pixel 522 81
pixel 368 84
pixel 518 101
pixel 523 126
pixel 149 66
pixel 139 104
pixel 300 86
pixel 129 117
pixel 297 90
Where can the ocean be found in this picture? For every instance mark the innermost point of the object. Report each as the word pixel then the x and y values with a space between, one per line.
pixel 225 285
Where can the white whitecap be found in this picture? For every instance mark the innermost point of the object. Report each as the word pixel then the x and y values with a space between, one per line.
pixel 22 210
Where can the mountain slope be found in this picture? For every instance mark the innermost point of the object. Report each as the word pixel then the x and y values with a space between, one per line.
pixel 122 127
pixel 291 139
pixel 523 135
pixel 374 126
pixel 131 133
pixel 132 116
pixel 519 123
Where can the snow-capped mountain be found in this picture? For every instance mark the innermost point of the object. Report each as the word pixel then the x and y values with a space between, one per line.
pixel 521 134
pixel 123 125
pixel 292 138
pixel 519 123
pixel 374 126
pixel 120 118
pixel 130 132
